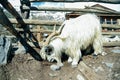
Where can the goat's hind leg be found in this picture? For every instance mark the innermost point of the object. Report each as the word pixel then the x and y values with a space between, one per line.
pixel 97 46
pixel 70 60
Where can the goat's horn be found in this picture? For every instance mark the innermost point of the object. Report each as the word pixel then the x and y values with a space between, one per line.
pixel 61 27
pixel 54 34
pixel 49 37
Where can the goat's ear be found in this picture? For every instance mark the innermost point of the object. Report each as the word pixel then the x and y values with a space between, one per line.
pixel 62 38
pixel 49 49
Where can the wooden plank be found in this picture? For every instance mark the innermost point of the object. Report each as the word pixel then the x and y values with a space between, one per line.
pixel 103 1
pixel 49 31
pixel 67 10
pixel 39 36
pixel 52 22
pixel 88 72
pixel 107 44
pixel 114 26
pixel 111 44
pixel 111 33
pixel 98 14
pixel 118 21
pixel 37 22
pixel 36 30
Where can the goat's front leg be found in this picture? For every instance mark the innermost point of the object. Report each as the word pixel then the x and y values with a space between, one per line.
pixel 57 66
pixel 70 60
pixel 76 58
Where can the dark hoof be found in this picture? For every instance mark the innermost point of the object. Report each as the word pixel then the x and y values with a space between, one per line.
pixel 94 56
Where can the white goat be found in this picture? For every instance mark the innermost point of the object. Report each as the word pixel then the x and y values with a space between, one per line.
pixel 77 34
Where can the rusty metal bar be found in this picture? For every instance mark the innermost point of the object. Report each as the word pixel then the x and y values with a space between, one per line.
pixel 8 25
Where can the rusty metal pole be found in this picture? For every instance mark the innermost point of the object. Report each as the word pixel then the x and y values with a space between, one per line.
pixel 11 9
pixel 7 24
pixel 25 13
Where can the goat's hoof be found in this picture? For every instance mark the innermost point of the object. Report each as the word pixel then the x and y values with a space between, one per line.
pixel 55 67
pixel 61 64
pixel 70 60
pixel 103 53
pixel 74 65
pixel 94 56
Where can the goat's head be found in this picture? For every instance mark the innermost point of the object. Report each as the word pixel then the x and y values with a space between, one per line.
pixel 47 51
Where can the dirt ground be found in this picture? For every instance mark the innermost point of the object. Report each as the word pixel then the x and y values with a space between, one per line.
pixel 24 67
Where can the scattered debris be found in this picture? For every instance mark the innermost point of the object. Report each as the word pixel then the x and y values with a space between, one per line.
pixel 20 50
pixel 79 77
pixel 111 38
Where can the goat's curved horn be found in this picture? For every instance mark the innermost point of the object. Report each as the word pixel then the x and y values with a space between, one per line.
pixel 62 38
pixel 54 34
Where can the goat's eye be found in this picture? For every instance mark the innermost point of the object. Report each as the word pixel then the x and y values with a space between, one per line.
pixel 48 51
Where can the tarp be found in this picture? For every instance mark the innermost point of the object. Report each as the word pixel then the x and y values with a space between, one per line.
pixel 5 44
